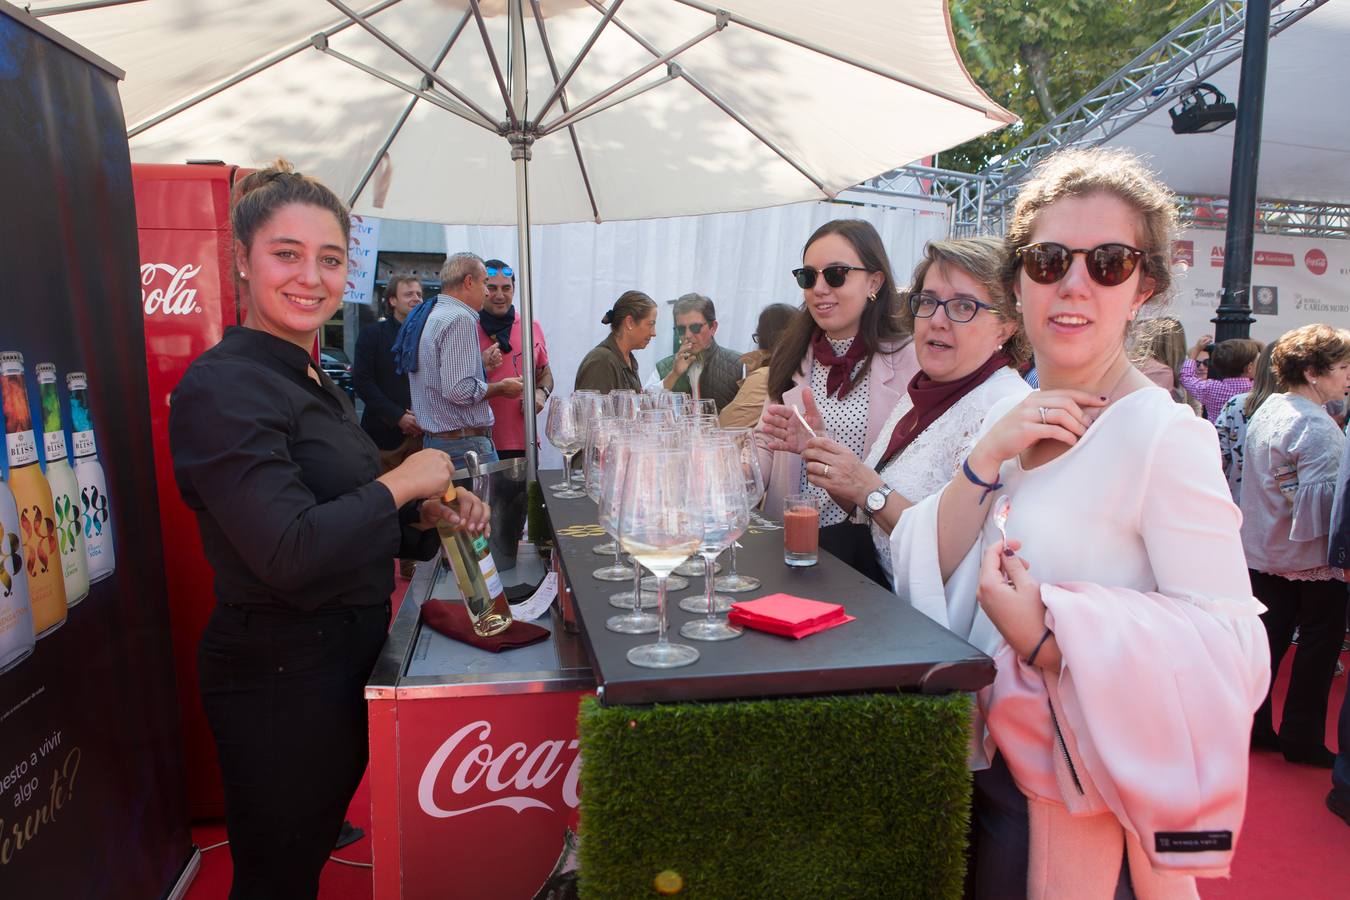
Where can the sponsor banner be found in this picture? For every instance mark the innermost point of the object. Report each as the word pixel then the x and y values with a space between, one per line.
pixel 1295 281
pixel 92 801
pixel 362 249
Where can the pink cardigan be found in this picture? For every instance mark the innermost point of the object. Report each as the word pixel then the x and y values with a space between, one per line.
pixel 889 378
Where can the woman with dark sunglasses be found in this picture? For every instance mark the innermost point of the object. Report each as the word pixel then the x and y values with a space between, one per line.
pixel 1129 651
pixel 845 365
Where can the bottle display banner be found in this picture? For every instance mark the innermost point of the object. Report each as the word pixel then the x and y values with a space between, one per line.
pixel 92 800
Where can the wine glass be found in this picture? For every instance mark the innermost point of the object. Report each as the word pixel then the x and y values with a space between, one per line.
pixel 622 402
pixel 593 406
pixel 603 433
pixel 706 406
pixel 720 495
pixel 753 480
pixel 660 525
pixel 566 431
pixel 634 620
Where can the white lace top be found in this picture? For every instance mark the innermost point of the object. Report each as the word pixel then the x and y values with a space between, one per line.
pixel 933 457
pixel 846 418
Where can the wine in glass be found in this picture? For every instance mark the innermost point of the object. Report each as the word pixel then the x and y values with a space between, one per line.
pixel 634 621
pixel 566 430
pixel 720 496
pixel 753 478
pixel 660 525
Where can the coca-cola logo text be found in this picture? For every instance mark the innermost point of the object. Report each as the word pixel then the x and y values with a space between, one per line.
pixel 1316 261
pixel 168 289
pixel 514 771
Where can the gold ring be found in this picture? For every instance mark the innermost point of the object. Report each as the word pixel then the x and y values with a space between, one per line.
pixel 825 472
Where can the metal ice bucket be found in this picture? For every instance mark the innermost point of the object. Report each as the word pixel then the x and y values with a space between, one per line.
pixel 502 486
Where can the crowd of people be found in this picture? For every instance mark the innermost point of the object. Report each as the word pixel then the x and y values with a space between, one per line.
pixel 1015 440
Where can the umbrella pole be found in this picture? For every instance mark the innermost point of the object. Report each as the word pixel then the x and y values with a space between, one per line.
pixel 520 154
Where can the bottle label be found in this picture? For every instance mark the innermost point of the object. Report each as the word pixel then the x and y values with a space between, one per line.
pixel 488 568
pixel 22 448
pixel 54 446
pixel 83 443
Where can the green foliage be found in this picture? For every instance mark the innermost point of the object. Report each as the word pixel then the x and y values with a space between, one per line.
pixel 853 796
pixel 1038 57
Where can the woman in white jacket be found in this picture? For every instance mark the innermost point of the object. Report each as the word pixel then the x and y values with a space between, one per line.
pixel 1130 656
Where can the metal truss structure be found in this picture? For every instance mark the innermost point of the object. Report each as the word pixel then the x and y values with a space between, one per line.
pixel 1190 53
pixel 1289 217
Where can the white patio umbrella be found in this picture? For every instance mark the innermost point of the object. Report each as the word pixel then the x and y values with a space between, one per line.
pixel 541 111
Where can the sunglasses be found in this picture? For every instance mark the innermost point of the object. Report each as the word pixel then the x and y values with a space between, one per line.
pixel 1107 264
pixel 696 328
pixel 494 271
pixel 834 275
pixel 958 309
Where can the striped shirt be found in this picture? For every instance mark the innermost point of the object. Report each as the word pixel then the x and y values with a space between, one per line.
pixel 449 386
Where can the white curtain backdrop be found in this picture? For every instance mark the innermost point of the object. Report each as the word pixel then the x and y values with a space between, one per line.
pixel 743 261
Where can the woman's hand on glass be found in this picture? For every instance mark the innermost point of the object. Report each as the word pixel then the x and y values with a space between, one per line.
pixel 1055 415
pixel 835 469
pixel 783 428
pixel 1011 598
pixel 465 511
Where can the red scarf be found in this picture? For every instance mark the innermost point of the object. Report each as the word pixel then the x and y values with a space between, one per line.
pixel 932 399
pixel 840 380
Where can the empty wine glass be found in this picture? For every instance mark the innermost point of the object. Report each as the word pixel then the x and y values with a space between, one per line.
pixel 622 402
pixel 593 406
pixel 566 430
pixel 706 406
pixel 598 434
pixel 720 495
pixel 607 434
pixel 660 525
pixel 753 479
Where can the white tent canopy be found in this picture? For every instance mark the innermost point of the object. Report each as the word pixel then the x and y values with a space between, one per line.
pixel 888 88
pixel 1305 133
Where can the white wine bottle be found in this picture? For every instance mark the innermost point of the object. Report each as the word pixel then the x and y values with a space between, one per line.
pixel 476 574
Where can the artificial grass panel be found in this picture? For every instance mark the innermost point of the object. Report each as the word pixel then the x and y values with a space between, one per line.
pixel 854 796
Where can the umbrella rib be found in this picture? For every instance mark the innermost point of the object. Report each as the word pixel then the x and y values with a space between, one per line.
pixel 447 105
pixel 576 63
pixel 244 74
pixel 660 60
pixel 77 7
pixel 717 101
pixel 562 99
pixel 402 120
pixel 570 121
pixel 496 68
pixel 751 24
pixel 360 19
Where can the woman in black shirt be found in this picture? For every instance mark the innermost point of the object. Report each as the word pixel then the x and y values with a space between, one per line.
pixel 302 530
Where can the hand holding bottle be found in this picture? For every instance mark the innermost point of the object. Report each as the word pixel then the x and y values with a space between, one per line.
pixel 459 508
pixel 423 475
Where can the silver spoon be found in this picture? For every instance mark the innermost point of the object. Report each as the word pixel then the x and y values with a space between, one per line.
pixel 1002 507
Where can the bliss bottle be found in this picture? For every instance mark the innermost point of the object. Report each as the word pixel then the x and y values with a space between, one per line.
pixel 94 504
pixel 65 488
pixel 37 515
pixel 16 612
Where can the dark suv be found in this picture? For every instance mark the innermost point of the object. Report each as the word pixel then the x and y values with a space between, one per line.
pixel 334 362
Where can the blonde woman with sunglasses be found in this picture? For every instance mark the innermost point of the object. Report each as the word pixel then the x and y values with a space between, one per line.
pixel 1130 656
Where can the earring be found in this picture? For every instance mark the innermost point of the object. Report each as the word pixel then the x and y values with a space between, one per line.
pixel 1018 306
pixel 242 275
pixel 872 296
pixel 1312 381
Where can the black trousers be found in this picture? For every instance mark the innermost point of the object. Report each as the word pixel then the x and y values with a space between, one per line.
pixel 283 694
pixel 853 544
pixel 1318 609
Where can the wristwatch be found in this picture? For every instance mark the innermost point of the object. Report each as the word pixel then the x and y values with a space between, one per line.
pixel 876 501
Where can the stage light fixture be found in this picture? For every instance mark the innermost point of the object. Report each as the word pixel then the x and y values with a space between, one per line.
pixel 1202 108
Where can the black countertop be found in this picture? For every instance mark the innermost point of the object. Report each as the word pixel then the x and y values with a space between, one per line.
pixel 890 645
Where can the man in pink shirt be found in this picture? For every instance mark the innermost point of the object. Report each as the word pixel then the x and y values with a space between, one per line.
pixel 1232 364
pixel 503 356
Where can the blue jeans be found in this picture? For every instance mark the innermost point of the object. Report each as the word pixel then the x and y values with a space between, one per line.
pixel 457 447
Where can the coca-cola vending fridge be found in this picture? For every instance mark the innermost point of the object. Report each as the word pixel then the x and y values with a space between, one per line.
pixel 188 298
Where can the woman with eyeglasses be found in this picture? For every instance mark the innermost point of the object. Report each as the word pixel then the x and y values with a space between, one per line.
pixel 966 336
pixel 611 364
pixel 1130 657
pixel 844 366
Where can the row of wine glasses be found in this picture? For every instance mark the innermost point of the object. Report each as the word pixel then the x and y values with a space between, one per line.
pixel 671 488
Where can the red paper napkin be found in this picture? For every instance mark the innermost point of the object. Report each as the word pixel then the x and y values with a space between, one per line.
pixel 451 619
pixel 788 616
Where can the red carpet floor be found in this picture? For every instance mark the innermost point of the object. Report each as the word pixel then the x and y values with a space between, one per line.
pixel 1291 846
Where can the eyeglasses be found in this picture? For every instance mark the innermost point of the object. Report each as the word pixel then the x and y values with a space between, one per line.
pixel 1107 264
pixel 958 309
pixel 834 275
pixel 696 328
pixel 494 271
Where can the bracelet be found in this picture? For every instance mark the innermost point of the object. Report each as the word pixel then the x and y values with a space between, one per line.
pixel 1031 660
pixel 975 480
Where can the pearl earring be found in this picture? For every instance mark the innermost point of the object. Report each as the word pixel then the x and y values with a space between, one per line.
pixel 242 275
